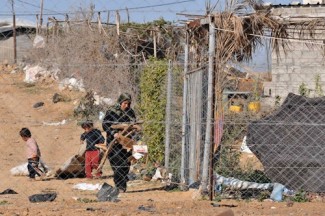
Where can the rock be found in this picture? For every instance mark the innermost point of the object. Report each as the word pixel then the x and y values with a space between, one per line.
pixel 38 104
pixel 57 98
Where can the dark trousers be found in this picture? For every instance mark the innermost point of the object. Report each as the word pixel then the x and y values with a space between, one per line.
pixel 32 167
pixel 119 160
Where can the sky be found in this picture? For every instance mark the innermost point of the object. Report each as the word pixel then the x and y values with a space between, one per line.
pixel 139 11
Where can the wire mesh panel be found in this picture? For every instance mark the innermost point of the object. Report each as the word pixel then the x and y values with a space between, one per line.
pixel 134 107
pixel 195 126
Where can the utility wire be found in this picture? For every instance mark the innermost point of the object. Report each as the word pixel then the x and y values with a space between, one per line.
pixel 96 11
pixel 38 7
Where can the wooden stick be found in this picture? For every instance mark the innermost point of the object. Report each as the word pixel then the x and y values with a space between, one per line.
pixel 110 148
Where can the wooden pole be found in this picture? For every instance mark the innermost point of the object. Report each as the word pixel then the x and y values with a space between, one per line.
pixel 67 22
pixel 128 15
pixel 99 23
pixel 117 22
pixel 41 18
pixel 47 31
pixel 14 31
pixel 37 24
pixel 154 44
pixel 15 38
pixel 107 17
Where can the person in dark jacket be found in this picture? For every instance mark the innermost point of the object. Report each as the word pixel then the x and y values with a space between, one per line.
pixel 118 157
pixel 92 136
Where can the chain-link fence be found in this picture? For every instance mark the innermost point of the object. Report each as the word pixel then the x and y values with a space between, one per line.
pixel 178 104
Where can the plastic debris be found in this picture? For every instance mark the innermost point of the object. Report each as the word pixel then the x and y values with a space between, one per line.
pixel 87 186
pixel 276 195
pixel 107 193
pixel 8 191
pixel 55 123
pixel 42 197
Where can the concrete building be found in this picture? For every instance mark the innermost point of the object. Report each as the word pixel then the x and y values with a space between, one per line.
pixel 304 60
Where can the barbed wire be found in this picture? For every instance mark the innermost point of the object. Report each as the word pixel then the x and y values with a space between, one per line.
pixel 299 40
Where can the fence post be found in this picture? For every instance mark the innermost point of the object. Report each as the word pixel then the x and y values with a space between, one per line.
pixel 168 113
pixel 208 132
pixel 41 18
pixel 14 30
pixel 15 38
pixel 184 115
pixel 37 25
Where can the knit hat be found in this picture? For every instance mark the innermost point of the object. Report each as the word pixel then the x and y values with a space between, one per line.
pixel 124 97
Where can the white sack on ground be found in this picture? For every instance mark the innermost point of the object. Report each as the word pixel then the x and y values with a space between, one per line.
pixel 21 170
pixel 87 186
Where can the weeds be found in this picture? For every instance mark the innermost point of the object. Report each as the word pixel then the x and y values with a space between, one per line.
pixel 3 202
pixel 86 200
pixel 300 196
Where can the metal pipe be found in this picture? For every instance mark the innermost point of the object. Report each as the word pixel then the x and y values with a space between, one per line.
pixel 168 113
pixel 184 115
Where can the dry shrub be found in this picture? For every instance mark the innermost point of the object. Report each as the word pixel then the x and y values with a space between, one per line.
pixel 108 63
pixel 85 54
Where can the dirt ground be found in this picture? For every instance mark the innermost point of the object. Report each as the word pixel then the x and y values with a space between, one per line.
pixel 58 143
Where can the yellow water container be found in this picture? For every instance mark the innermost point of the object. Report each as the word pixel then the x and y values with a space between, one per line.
pixel 254 106
pixel 235 108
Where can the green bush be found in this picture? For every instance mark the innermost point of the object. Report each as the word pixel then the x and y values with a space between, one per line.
pixel 152 107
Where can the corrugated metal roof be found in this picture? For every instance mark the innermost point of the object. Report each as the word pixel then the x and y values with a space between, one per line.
pixel 7 24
